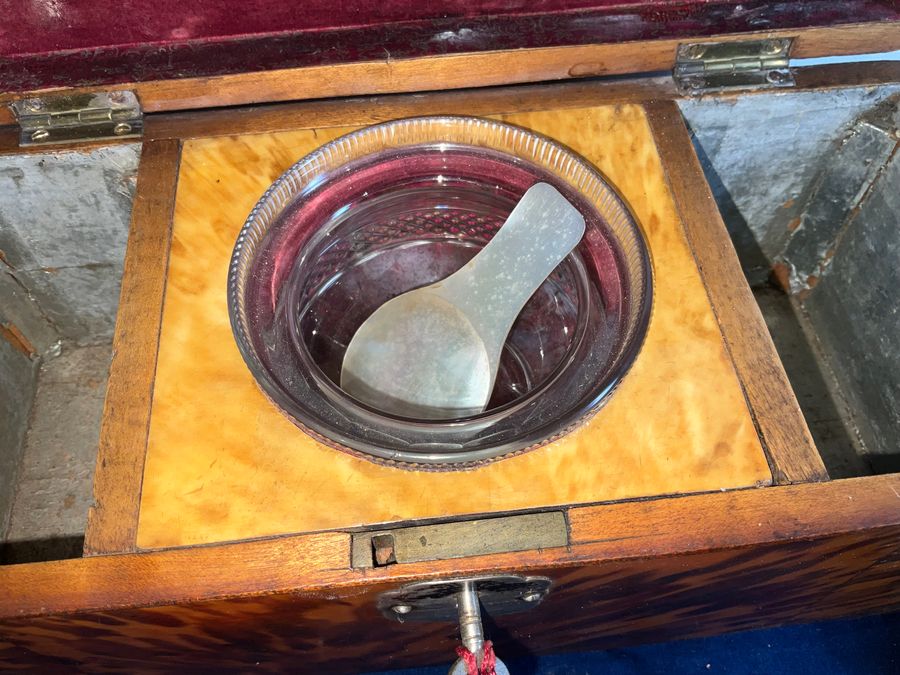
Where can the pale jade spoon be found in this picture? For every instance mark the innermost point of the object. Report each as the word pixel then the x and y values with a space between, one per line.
pixel 433 353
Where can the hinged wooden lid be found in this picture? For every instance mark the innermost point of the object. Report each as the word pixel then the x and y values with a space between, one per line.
pixel 184 54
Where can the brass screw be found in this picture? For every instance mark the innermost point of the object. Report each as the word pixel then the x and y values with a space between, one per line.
pixel 696 51
pixel 121 128
pixel 694 83
pixel 40 135
pixel 777 76
pixel 773 46
pixel 34 104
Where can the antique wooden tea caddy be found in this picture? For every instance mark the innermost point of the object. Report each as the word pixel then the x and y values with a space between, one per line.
pixel 223 537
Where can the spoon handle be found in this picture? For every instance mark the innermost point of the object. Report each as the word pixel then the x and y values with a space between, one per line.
pixel 494 286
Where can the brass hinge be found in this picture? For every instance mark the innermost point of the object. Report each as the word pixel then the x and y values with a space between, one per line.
pixel 65 118
pixel 720 66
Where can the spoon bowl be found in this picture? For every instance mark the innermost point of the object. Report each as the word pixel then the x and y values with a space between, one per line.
pixel 419 356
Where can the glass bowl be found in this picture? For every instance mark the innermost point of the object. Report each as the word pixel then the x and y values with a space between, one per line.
pixel 400 205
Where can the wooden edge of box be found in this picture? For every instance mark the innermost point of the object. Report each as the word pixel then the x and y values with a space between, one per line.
pixel 360 110
pixel 113 517
pixel 455 71
pixel 789 446
pixel 319 564
pixel 274 117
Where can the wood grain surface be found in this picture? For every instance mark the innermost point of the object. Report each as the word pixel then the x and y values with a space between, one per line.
pixel 787 439
pixel 455 71
pixel 487 101
pixel 590 606
pixel 320 562
pixel 491 100
pixel 112 520
pixel 635 572
pixel 223 463
pixel 365 110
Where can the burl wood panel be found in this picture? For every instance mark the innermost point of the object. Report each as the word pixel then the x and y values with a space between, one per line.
pixel 635 572
pixel 597 605
pixel 224 464
pixel 790 446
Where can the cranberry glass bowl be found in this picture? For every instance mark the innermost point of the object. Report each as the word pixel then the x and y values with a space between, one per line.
pixel 400 205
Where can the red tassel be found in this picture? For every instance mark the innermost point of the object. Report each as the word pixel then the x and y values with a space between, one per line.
pixel 488 661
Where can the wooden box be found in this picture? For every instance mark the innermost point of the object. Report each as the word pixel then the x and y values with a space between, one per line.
pixel 223 538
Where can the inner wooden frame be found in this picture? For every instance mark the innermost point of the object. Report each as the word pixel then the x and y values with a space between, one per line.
pixel 786 439
pixel 224 464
